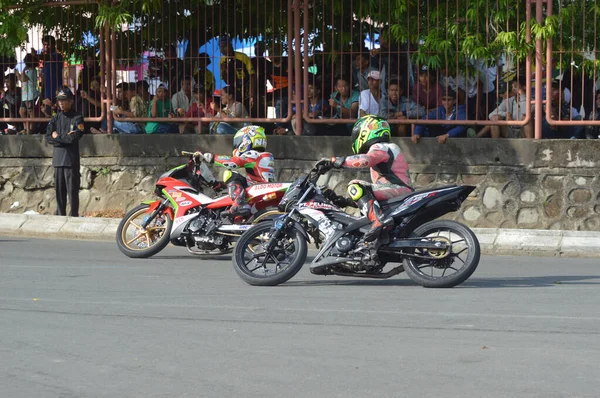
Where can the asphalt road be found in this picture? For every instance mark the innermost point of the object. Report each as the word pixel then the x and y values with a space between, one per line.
pixel 78 319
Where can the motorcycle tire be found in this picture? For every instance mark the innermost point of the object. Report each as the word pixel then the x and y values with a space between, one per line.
pixel 150 251
pixel 246 240
pixel 413 267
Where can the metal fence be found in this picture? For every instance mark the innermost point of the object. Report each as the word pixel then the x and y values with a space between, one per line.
pixel 300 66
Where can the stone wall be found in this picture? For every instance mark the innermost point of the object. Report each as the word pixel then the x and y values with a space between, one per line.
pixel 520 184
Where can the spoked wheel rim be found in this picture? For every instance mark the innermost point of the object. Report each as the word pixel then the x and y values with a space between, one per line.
pixel 258 262
pixel 134 237
pixel 443 263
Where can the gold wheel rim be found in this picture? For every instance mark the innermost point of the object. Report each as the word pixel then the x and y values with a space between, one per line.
pixel 148 235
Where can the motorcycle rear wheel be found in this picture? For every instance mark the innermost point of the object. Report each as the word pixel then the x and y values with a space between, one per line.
pixel 464 251
pixel 137 243
pixel 258 267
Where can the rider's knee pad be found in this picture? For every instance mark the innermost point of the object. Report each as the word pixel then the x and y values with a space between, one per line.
pixel 355 192
pixel 227 174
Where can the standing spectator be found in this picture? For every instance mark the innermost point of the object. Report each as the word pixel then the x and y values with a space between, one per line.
pixel 64 132
pixel 204 76
pixel 370 98
pixel 137 108
pixel 160 106
pixel 183 98
pixel 448 111
pixel 395 105
pixel 90 70
pixel 230 107
pixel 52 68
pixel 173 68
pixel 362 69
pixel 261 66
pixel 277 74
pixel 391 58
pixel 427 92
pixel 29 90
pixel 236 69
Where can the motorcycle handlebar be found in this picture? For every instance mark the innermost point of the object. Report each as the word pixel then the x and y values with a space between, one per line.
pixel 193 155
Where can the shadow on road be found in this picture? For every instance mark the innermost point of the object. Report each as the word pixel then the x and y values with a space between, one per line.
pixel 534 281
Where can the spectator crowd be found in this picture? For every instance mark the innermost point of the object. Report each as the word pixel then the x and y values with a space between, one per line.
pixel 383 81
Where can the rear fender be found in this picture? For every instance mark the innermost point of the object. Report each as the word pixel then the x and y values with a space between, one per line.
pixel 153 205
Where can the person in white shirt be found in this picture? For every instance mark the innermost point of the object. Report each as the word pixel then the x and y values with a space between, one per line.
pixel 182 99
pixel 512 108
pixel 368 103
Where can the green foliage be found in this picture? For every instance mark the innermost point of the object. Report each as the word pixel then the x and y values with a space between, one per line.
pixel 438 33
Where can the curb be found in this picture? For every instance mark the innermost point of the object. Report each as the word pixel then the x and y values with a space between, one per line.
pixel 492 240
pixel 55 227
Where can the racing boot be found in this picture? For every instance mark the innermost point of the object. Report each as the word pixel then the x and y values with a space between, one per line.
pixel 369 206
pixel 240 210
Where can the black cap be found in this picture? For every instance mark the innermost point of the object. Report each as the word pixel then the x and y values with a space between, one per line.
pixel 64 93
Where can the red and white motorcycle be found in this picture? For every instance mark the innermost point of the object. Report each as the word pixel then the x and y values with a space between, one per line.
pixel 185 216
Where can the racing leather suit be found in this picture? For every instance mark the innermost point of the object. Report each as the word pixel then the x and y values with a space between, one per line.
pixel 260 168
pixel 390 178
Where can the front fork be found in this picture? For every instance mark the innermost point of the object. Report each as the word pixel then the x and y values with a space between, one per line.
pixel 155 213
pixel 278 228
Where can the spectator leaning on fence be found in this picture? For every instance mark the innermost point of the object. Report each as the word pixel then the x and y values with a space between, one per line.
pixel 369 99
pixel 160 107
pixel 137 108
pixel 448 111
pixel 394 105
pixel 514 107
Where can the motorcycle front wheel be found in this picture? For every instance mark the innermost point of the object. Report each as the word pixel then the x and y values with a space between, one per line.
pixel 443 268
pixel 261 267
pixel 137 242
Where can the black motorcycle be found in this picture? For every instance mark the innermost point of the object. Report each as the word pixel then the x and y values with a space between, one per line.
pixel 434 253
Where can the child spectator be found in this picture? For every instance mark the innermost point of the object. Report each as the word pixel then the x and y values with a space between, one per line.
pixel 368 103
pixel 394 105
pixel 230 108
pixel 427 92
pixel 92 104
pixel 160 106
pixel 29 90
pixel 448 111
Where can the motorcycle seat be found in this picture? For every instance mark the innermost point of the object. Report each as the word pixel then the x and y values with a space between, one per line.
pixel 406 195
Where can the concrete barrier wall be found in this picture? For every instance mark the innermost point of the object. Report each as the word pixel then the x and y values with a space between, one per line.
pixel 543 184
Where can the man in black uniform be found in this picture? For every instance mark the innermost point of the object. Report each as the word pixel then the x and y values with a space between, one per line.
pixel 64 132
